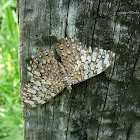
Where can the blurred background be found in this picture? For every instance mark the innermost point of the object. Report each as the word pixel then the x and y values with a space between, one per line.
pixel 11 123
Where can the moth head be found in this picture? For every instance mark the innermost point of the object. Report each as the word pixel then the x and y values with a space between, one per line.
pixel 64 47
pixel 59 48
pixel 42 53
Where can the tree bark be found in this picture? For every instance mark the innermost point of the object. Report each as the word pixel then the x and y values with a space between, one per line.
pixel 106 107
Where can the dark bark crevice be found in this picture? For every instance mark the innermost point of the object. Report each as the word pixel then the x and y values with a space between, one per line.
pixel 69 115
pixel 106 97
pixel 129 132
pixel 134 66
pixel 50 29
pixel 103 109
pixel 95 20
pixel 53 116
pixel 66 27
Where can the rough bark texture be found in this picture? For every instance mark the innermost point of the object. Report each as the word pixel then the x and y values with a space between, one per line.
pixel 106 107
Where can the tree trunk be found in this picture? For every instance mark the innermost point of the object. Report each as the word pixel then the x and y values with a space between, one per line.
pixel 106 107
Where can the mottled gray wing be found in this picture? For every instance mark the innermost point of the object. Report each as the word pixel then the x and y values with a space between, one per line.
pixel 80 62
pixel 45 79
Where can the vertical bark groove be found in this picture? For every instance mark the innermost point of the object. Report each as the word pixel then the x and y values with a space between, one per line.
pixel 69 117
pixel 97 14
pixel 66 27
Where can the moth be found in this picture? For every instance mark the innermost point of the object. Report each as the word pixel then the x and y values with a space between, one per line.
pixel 48 77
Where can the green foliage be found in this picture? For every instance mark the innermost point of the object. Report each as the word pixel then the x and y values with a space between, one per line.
pixel 10 103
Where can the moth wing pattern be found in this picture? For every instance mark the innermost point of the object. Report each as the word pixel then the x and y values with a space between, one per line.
pixel 80 62
pixel 48 77
pixel 45 79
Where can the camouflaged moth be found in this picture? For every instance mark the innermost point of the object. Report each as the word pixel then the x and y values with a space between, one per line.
pixel 48 77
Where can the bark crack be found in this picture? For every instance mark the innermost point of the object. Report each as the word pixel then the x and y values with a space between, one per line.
pixel 133 69
pixel 50 29
pixel 98 130
pixel 97 14
pixel 85 128
pixel 53 117
pixel 66 28
pixel 70 100
pixel 129 131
